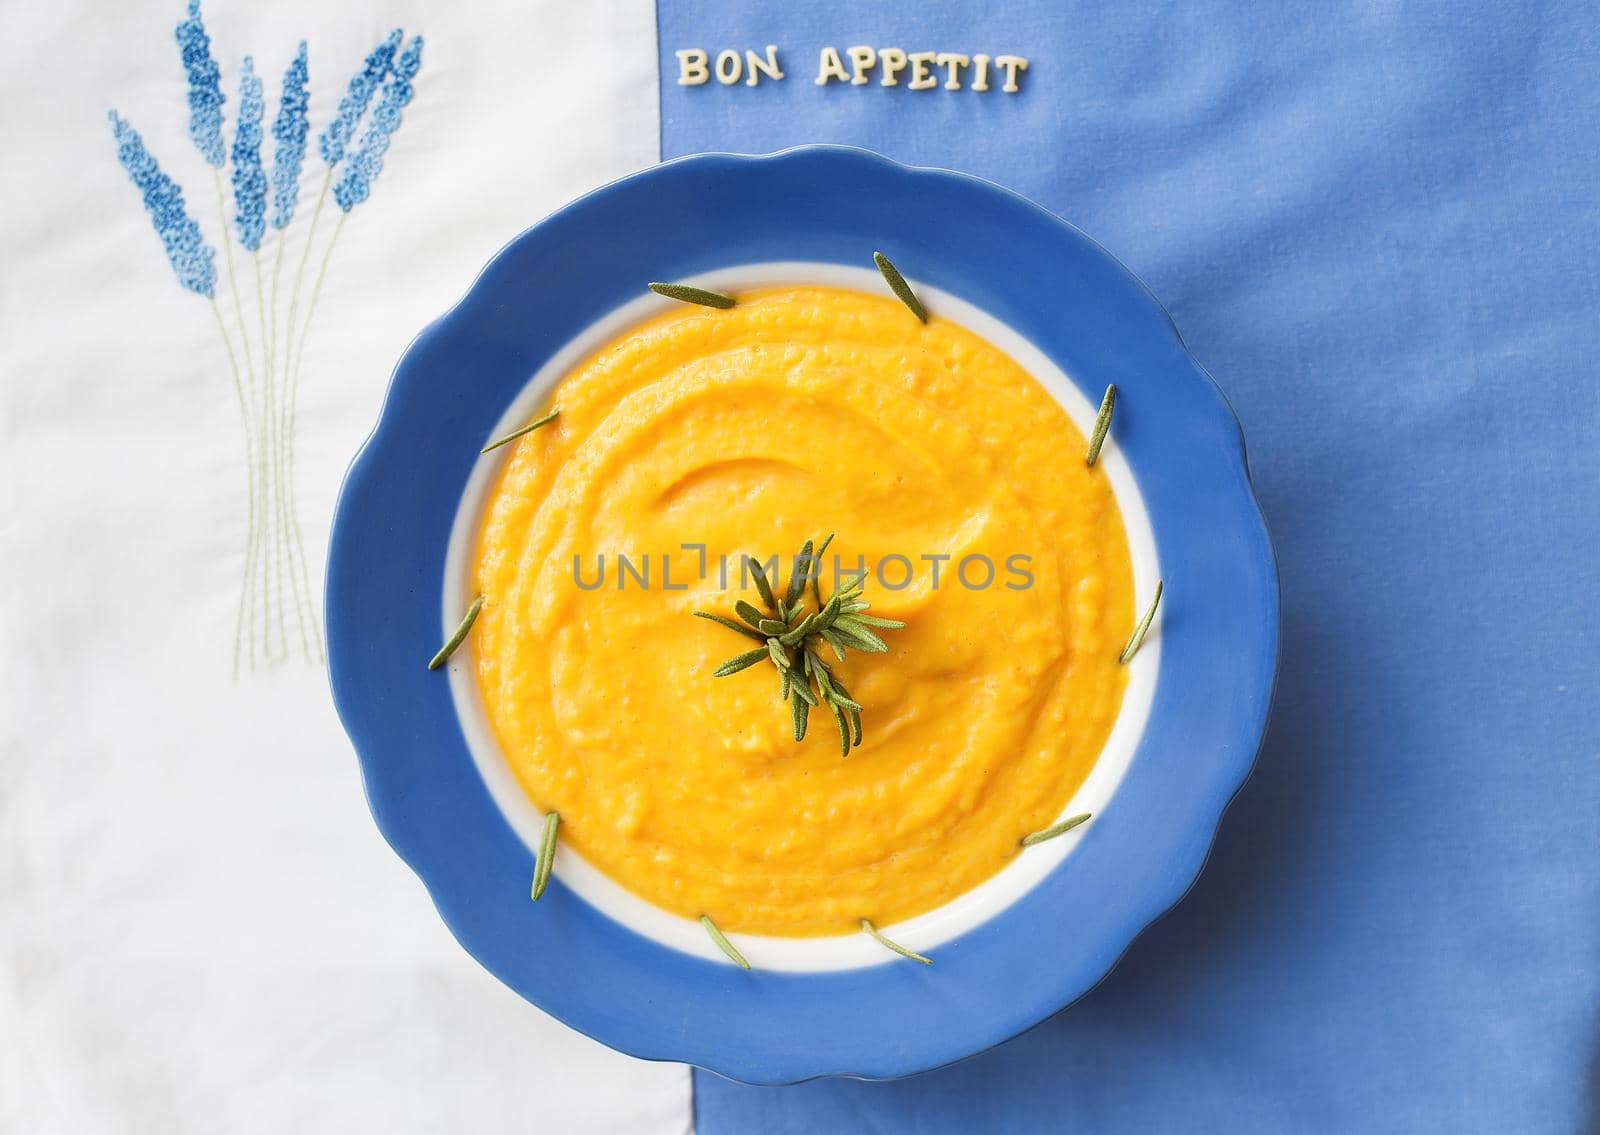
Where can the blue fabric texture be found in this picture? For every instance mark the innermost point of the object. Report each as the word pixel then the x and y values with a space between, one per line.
pixel 1376 225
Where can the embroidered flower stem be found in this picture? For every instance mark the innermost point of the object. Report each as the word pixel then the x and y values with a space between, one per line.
pixel 1102 425
pixel 294 397
pixel 283 506
pixel 895 946
pixel 547 854
pixel 300 271
pixel 458 636
pixel 1137 640
pixel 250 499
pixel 277 271
pixel 255 452
pixel 723 944
pixel 258 425
pixel 282 559
pixel 291 381
pixel 1054 830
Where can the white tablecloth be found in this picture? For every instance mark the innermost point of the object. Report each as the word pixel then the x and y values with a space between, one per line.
pixel 200 927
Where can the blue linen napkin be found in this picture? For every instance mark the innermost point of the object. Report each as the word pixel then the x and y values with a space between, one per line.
pixel 1376 225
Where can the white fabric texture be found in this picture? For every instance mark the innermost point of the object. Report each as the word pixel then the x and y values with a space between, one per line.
pixel 201 929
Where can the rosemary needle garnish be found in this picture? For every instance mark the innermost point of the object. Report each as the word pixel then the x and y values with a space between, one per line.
pixel 742 662
pixel 547 854
pixel 895 946
pixel 458 637
pixel 527 429
pixel 731 625
pixel 794 636
pixel 816 576
pixel 723 944
pixel 898 285
pixel 1054 830
pixel 701 296
pixel 1102 425
pixel 1137 640
pixel 763 588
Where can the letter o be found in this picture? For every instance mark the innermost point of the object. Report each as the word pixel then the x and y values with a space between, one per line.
pixel 961 571
pixel 904 583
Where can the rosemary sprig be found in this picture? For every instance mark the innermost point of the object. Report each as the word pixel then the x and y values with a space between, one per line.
pixel 793 638
pixel 897 284
pixel 1102 425
pixel 895 946
pixel 1061 828
pixel 723 944
pixel 702 296
pixel 527 429
pixel 547 854
pixel 458 636
pixel 1137 640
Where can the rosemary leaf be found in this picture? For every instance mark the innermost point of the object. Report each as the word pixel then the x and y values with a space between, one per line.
pixel 1054 830
pixel 844 729
pixel 800 631
pixel 547 854
pixel 797 575
pixel 749 614
pixel 527 429
pixel 731 625
pixel 855 725
pixel 858 636
pixel 816 578
pixel 779 658
pixel 895 946
pixel 759 574
pixel 688 294
pixel 802 690
pixel 835 644
pixel 740 662
pixel 898 285
pixel 772 628
pixel 1102 425
pixel 874 621
pixel 458 636
pixel 723 944
pixel 799 709
pixel 1139 631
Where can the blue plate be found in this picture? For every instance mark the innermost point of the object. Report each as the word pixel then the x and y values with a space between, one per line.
pixel 1218 628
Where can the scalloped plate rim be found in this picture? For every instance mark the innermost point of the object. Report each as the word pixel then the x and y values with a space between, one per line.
pixel 1156 904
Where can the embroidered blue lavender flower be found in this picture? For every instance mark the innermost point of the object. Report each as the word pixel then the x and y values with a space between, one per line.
pixel 367 162
pixel 191 257
pixel 289 130
pixel 249 180
pixel 205 89
pixel 363 85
